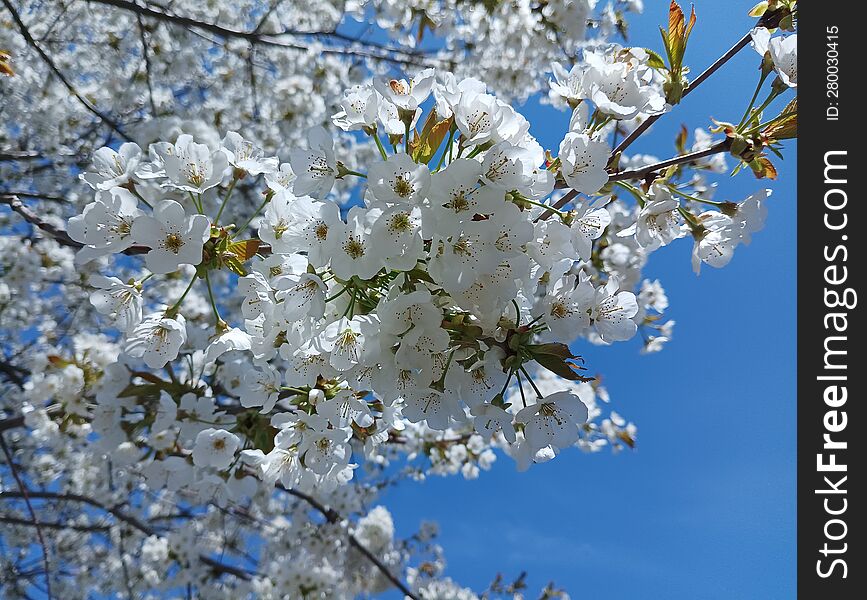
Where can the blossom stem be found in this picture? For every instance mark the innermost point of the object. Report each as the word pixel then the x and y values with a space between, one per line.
pixel 243 227
pixel 743 120
pixel 676 191
pixel 173 309
pixel 771 97
pixel 229 191
pixel 136 193
pixel 689 217
pixel 639 197
pixel 380 146
pixel 338 294
pixel 532 383
pixel 517 313
pixel 446 150
pixel 197 203
pixel 521 389
pixel 350 309
pixel 406 139
pixel 545 206
pixel 475 152
pixel 213 301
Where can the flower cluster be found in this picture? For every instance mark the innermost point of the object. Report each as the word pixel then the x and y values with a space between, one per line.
pixel 354 269
pixel 430 302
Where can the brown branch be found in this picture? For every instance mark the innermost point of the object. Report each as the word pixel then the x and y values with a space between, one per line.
pixel 387 54
pixel 82 528
pixel 332 516
pixel 147 63
pixel 115 511
pixel 643 172
pixel 60 235
pixel 26 497
pixel 636 133
pixel 48 61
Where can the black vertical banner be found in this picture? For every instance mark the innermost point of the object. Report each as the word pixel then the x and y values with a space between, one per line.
pixel 832 425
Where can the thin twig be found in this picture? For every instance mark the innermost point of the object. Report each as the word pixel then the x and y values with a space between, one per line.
pixel 48 61
pixel 332 516
pixel 396 55
pixel 32 512
pixel 636 133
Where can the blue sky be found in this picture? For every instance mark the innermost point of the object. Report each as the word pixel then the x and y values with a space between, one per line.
pixel 704 508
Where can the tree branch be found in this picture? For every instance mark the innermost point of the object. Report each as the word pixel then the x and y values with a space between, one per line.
pixel 60 235
pixel 146 529
pixel 48 61
pixel 636 133
pixel 387 54
pixel 332 516
pixel 25 496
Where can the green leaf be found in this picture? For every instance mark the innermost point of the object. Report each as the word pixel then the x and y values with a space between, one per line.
pixel 553 349
pixel 656 60
pixel 244 250
pixel 762 168
pixel 561 367
pixel 758 10
pixel 234 265
pixel 432 135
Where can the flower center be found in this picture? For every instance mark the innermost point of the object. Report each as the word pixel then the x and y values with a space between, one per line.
pixel 354 247
pixel 399 223
pixel 280 228
pixel 174 242
pixel 402 187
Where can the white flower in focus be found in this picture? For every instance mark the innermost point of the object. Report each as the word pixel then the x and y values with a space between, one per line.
pixel 613 311
pixel 105 226
pixel 261 387
pixel 399 244
pixel 659 221
pixel 553 421
pixel 230 339
pixel 566 85
pixel 119 300
pixel 192 167
pixel 315 168
pixel 583 162
pixel 344 339
pixel 488 419
pixel 359 108
pixel 566 308
pixel 588 224
pixel 281 179
pixel 477 117
pixel 399 180
pixel 432 406
pixel 157 339
pixel 112 168
pixel 173 238
pixel 716 242
pixel 352 252
pixel 215 448
pixel 243 155
pixel 407 96
pixel 783 51
pixel 751 214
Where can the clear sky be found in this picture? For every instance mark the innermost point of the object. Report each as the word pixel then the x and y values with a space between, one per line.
pixel 704 508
